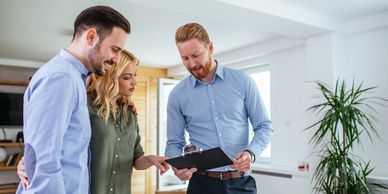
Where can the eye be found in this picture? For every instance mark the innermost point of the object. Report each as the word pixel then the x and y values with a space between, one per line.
pixel 115 50
pixel 128 77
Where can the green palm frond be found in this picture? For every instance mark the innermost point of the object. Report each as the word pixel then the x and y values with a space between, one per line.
pixel 350 113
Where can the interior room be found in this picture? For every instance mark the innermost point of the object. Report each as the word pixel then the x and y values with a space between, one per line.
pixel 284 45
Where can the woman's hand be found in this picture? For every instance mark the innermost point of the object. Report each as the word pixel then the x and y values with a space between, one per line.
pixel 144 162
pixel 159 162
pixel 133 107
pixel 21 171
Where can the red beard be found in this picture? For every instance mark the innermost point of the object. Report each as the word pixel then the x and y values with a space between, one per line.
pixel 201 71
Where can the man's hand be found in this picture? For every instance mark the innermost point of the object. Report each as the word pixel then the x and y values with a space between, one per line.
pixel 159 162
pixel 21 171
pixel 185 173
pixel 243 162
pixel 133 107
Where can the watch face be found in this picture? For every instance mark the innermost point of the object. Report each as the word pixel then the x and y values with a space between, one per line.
pixel 189 148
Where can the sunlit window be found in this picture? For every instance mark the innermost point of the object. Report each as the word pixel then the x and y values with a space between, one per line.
pixel 262 80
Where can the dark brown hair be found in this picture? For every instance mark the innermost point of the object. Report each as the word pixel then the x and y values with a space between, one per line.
pixel 103 18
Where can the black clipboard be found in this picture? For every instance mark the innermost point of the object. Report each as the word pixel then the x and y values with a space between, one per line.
pixel 202 160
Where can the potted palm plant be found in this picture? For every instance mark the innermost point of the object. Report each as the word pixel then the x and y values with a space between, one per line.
pixel 346 115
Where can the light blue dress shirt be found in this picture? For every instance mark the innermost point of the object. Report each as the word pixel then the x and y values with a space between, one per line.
pixel 216 115
pixel 57 128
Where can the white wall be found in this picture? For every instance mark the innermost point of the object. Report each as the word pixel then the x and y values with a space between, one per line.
pixel 367 61
pixel 16 73
pixel 288 105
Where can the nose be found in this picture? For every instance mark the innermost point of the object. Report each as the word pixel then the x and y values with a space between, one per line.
pixel 115 58
pixel 190 63
pixel 134 82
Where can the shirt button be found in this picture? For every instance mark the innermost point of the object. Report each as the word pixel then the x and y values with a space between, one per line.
pixel 117 126
pixel 212 101
pixel 220 134
pixel 114 172
pixel 216 118
pixel 111 189
pixel 118 139
pixel 116 156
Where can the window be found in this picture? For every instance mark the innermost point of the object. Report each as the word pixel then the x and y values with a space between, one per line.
pixel 262 80
pixel 168 181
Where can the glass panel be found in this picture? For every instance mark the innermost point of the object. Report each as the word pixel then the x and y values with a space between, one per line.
pixel 168 181
pixel 262 80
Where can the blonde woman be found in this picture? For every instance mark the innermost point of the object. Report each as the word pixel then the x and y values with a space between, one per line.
pixel 115 141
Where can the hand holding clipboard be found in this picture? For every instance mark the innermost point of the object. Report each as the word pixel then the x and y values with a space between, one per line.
pixel 202 160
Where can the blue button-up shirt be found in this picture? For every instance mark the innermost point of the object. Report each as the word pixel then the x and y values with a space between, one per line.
pixel 216 115
pixel 57 128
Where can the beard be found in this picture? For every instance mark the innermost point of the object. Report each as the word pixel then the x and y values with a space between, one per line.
pixel 96 62
pixel 201 71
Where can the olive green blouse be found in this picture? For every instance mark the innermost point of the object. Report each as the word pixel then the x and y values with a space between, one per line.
pixel 114 147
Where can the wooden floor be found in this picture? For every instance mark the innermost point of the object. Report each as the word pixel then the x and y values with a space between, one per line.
pixel 171 192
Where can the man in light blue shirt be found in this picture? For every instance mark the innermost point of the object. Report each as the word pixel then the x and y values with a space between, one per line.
pixel 213 105
pixel 56 118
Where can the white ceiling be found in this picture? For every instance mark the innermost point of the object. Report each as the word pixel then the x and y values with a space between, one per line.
pixel 35 30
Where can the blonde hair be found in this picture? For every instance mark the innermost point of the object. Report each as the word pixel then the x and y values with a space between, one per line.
pixel 102 89
pixel 190 31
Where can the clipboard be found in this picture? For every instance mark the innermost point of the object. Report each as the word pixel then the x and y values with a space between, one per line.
pixel 202 160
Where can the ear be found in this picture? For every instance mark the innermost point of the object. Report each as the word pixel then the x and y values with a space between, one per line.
pixel 91 36
pixel 210 47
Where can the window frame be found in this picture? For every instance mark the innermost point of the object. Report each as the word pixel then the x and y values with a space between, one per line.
pixel 254 70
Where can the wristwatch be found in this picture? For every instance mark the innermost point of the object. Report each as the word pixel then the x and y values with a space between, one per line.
pixel 253 157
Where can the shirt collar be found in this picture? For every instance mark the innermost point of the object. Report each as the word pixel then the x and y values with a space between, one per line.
pixel 75 62
pixel 219 73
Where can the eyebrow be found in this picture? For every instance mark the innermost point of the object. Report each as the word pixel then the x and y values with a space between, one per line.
pixel 196 53
pixel 130 73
